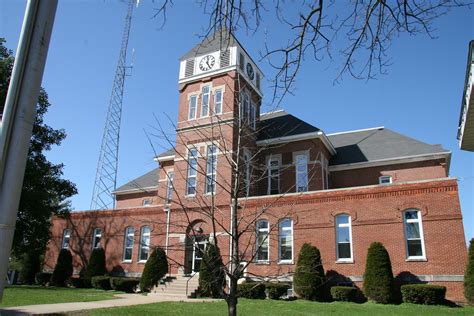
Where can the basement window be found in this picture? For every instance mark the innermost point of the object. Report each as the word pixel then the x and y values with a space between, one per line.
pixel 385 179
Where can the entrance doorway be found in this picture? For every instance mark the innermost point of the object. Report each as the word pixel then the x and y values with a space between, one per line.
pixel 200 243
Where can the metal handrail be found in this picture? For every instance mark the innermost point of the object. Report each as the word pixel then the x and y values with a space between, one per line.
pixel 187 283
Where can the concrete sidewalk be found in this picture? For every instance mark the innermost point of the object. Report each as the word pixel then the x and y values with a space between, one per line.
pixel 122 300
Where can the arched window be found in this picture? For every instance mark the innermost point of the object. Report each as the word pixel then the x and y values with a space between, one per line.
pixel 96 238
pixel 285 240
pixel 66 238
pixel 343 238
pixel 128 243
pixel 263 229
pixel 414 234
pixel 144 243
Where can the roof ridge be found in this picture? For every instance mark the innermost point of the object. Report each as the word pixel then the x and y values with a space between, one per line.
pixel 357 130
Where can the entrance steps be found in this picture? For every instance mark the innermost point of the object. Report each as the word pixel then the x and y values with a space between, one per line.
pixel 175 286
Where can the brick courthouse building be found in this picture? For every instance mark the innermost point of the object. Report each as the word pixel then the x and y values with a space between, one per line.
pixel 296 184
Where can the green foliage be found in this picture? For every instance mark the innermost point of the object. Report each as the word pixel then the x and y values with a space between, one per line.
pixel 101 282
pixel 43 278
pixel 211 273
pixel 78 283
pixel 343 293
pixel 63 269
pixel 469 275
pixel 277 290
pixel 44 191
pixel 423 294
pixel 252 290
pixel 127 285
pixel 96 266
pixel 378 276
pixel 155 269
pixel 31 265
pixel 309 275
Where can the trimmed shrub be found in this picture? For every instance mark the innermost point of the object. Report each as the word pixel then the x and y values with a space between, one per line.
pixel 211 273
pixel 101 282
pixel 378 276
pixel 344 293
pixel 43 278
pixel 155 269
pixel 31 265
pixel 252 290
pixel 96 266
pixel 77 283
pixel 63 269
pixel 309 275
pixel 127 285
pixel 423 294
pixel 276 290
pixel 469 275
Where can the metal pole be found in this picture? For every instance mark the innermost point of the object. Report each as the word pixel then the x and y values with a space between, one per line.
pixel 20 110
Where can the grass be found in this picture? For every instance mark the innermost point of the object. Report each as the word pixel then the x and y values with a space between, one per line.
pixel 33 295
pixel 273 308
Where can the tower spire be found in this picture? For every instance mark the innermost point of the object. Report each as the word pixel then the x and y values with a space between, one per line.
pixel 106 175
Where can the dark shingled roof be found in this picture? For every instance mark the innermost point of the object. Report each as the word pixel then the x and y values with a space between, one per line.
pixel 211 43
pixel 149 179
pixel 280 124
pixel 376 144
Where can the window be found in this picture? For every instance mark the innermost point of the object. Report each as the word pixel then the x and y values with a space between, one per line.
pixel 146 202
pixel 144 243
pixel 257 80
pixel 96 238
pixel 192 107
pixel 241 61
pixel 301 167
pixel 192 171
pixel 246 107
pixel 285 241
pixel 273 170
pixel 169 187
pixel 128 243
pixel 211 166
pixel 66 239
pixel 414 234
pixel 344 237
pixel 253 115
pixel 242 107
pixel 247 172
pixel 262 240
pixel 385 179
pixel 218 102
pixel 205 101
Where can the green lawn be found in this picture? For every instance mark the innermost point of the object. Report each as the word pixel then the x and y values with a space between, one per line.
pixel 267 307
pixel 32 295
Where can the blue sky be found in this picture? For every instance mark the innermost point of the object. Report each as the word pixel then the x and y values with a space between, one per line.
pixel 419 97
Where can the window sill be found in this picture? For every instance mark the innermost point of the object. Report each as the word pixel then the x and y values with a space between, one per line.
pixel 416 260
pixel 189 196
pixel 345 261
pixel 262 262
pixel 284 262
pixel 142 261
pixel 126 261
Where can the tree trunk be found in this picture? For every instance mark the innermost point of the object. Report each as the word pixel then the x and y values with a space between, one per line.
pixel 232 302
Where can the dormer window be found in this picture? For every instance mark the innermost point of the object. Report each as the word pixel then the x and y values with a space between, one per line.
pixel 385 179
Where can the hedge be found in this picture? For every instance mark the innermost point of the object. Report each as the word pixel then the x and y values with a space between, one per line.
pixel 77 283
pixel 469 275
pixel 276 290
pixel 101 282
pixel 423 294
pixel 309 275
pixel 344 293
pixel 128 285
pixel 378 276
pixel 63 269
pixel 96 266
pixel 252 290
pixel 43 278
pixel 155 269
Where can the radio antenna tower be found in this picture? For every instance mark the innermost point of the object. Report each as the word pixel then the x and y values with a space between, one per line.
pixel 106 175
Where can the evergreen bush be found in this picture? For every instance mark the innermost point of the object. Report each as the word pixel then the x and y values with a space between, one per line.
pixel 63 269
pixel 309 275
pixel 343 293
pixel 78 283
pixel 378 276
pixel 43 278
pixel 128 285
pixel 101 282
pixel 211 273
pixel 423 294
pixel 251 290
pixel 96 266
pixel 276 290
pixel 31 265
pixel 469 275
pixel 155 269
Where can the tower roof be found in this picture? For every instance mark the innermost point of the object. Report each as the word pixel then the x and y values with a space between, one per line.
pixel 211 43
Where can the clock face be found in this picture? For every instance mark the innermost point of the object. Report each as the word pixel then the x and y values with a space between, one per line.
pixel 250 71
pixel 207 62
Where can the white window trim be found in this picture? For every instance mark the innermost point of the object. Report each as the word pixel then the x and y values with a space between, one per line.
pixel 214 174
pixel 382 178
pixel 68 231
pixel 422 238
pixel 208 100
pixel 125 243
pixel 94 235
pixel 141 246
pixel 169 186
pixel 146 202
pixel 222 99
pixel 349 224
pixel 187 171
pixel 195 108
pixel 267 240
pixel 295 157
pixel 292 242
pixel 269 160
